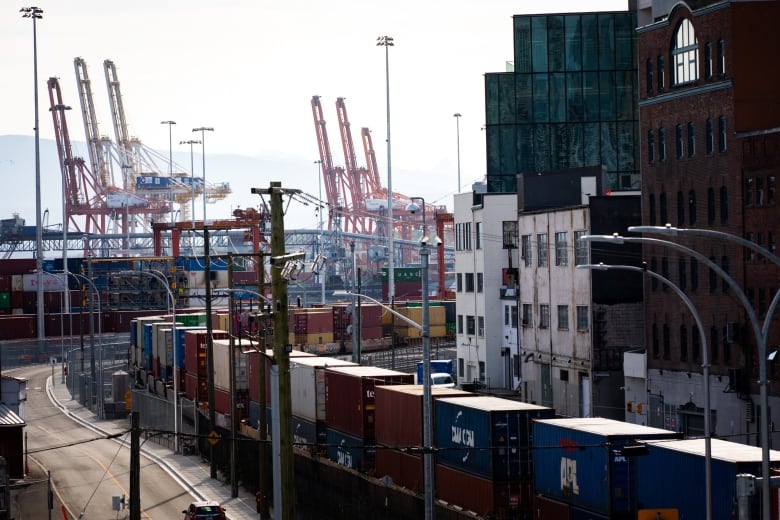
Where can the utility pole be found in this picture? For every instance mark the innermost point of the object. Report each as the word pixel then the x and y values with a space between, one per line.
pixel 232 379
pixel 285 506
pixel 262 422
pixel 135 467
pixel 209 347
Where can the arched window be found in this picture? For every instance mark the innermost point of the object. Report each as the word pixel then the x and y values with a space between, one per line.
pixel 685 54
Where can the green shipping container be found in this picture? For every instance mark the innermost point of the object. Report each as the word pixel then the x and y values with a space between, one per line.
pixel 404 274
pixel 191 320
pixel 5 300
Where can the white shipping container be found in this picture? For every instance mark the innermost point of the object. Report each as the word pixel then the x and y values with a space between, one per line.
pixel 140 322
pixel 307 382
pixel 49 281
pixel 17 282
pixel 222 366
pixel 159 349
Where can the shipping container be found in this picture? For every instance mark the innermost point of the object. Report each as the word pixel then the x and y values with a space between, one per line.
pixel 350 451
pixel 671 476
pixel 222 366
pixel 255 360
pixel 405 401
pixel 405 469
pixel 579 461
pixel 545 508
pixel 349 396
pixel 196 387
pixel 488 498
pixel 21 326
pixel 307 383
pixel 307 435
pixel 487 436
pixel 195 350
pixel 5 300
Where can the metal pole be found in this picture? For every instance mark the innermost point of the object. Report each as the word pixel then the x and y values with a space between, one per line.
pixel 387 42
pixel 457 117
pixel 192 142
pixel 232 380
pixel 203 130
pixel 322 275
pixel 209 349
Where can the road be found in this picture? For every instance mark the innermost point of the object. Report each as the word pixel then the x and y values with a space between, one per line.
pixel 87 469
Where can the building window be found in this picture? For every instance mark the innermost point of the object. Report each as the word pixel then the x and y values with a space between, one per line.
pixel 759 191
pixel 544 316
pixel 710 138
pixel 685 54
pixel 528 316
pixel 526 250
pixel 663 209
pixel 582 317
pixel 748 191
pixel 680 209
pixel 661 144
pixel 480 282
pixel 770 190
pixel 478 235
pixel 563 317
pixel 694 264
pixel 467 237
pixel 459 278
pixel 722 134
pixel 665 271
pixel 708 60
pixel 506 314
pixel 750 255
pixel 661 71
pixel 721 58
pixel 481 326
pixel 541 245
pixel 460 324
pixel 724 206
pixel 682 273
pixel 679 140
pixel 656 352
pixel 771 244
pixel 481 370
pixel 726 347
pixel 651 208
pixel 469 282
pixel 461 366
pixel 667 342
pixel 710 206
pixel 654 268
pixel 691 207
pixel 724 264
pixel 470 325
pixel 713 344
pixel 650 146
pixel 509 234
pixel 580 249
pixel 683 343
pixel 649 75
pixel 514 316
pixel 713 278
pixel 691 139
pixel 562 248
pixel 695 346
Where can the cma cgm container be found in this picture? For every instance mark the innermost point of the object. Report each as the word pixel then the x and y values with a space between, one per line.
pixel 487 436
pixel 671 476
pixel 350 451
pixel 579 462
pixel 486 497
pixel 349 397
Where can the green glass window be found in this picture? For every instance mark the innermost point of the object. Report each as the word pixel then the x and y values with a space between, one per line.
pixel 573 43
pixel 539 43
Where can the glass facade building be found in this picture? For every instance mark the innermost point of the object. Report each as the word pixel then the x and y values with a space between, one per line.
pixel 570 102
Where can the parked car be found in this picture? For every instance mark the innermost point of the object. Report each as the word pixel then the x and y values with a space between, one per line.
pixel 442 380
pixel 204 510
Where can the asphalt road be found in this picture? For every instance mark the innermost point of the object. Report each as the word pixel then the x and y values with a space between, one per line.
pixel 87 470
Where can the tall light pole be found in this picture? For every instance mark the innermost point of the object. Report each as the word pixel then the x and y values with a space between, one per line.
pixel 203 130
pixel 192 176
pixel 387 42
pixel 457 117
pixel 36 13
pixel 426 342
pixel 762 337
pixel 319 229
pixel 705 366
pixel 170 158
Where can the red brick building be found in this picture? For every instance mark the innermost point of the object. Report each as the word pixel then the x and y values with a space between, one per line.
pixel 709 111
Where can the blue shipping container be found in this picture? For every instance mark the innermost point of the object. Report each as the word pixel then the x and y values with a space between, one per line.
pixel 487 436
pixel 148 343
pixel 579 462
pixel 180 343
pixel 350 451
pixel 683 487
pixel 305 433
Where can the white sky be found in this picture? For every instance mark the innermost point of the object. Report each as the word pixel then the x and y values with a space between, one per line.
pixel 249 68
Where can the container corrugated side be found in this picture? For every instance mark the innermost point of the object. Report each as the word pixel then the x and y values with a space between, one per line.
pixel 307 384
pixel 404 468
pixel 578 461
pixel 671 475
pixel 545 508
pixel 486 436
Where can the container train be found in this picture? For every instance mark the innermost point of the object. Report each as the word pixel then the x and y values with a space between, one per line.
pixel 497 457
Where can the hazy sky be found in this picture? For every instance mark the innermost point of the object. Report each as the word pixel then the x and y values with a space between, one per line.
pixel 250 68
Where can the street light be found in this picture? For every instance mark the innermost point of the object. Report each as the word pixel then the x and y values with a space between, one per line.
pixel 705 367
pixel 192 176
pixel 36 13
pixel 761 337
pixel 387 42
pixel 426 342
pixel 457 117
pixel 203 130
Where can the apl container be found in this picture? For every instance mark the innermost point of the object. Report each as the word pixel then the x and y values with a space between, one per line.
pixel 487 436
pixel 671 476
pixel 580 462
pixel 349 397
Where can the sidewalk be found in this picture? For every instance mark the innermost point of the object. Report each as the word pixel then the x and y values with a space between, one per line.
pixel 189 471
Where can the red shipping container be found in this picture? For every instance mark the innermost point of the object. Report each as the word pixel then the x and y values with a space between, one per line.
pixel 180 373
pixel 395 401
pixel 222 401
pixel 195 350
pixel 370 316
pixel 196 388
pixel 544 508
pixel 18 266
pixel 18 326
pixel 488 498
pixel 372 332
pixel 404 468
pixel 349 396
pixel 17 299
pixel 5 282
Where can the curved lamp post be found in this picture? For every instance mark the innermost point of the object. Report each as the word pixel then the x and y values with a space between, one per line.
pixel 160 277
pixel 762 337
pixel 705 367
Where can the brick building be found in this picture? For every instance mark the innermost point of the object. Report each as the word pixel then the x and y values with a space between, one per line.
pixel 709 117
